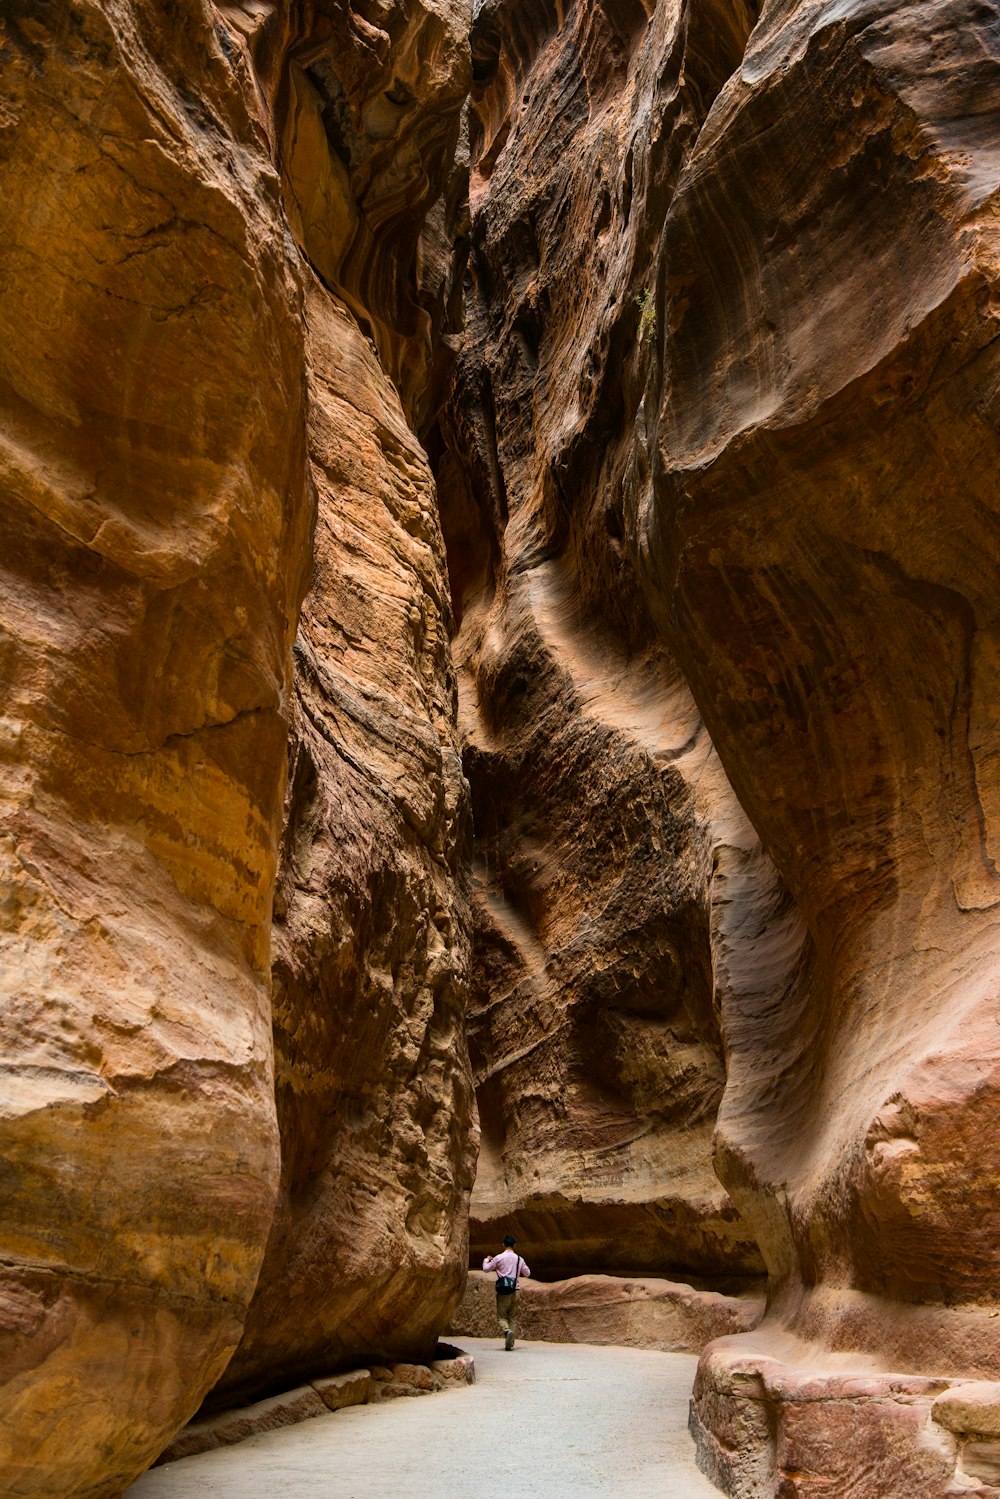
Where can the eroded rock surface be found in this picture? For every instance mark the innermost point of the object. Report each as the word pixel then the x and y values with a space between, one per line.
pixel 615 869
pixel 824 542
pixel 607 1309
pixel 717 499
pixel 368 1249
pixel 155 544
pixel 824 530
pixel 170 411
pixel 735 313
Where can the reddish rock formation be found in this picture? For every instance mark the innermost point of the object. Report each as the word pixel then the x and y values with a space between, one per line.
pixel 717 484
pixel 155 548
pixel 606 1309
pixel 621 893
pixel 153 388
pixel 368 1250
pixel 733 335
pixel 824 545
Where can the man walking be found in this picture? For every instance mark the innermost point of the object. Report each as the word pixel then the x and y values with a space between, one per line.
pixel 508 1267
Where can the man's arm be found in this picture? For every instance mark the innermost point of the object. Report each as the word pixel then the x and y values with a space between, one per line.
pixel 524 1269
pixel 488 1262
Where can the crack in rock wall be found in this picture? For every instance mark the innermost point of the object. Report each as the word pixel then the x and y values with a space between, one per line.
pixel 719 488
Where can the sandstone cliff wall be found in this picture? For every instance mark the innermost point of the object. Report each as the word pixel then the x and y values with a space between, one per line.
pixel 716 511
pixel 732 409
pixel 826 531
pixel 155 548
pixel 367 1252
pixel 621 893
pixel 177 390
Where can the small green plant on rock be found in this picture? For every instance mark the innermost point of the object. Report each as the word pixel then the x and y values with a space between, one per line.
pixel 647 316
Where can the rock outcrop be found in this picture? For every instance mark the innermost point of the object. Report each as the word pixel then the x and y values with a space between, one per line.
pixel 177 388
pixel 335 1392
pixel 621 893
pixel 824 546
pixel 713 530
pixel 607 1309
pixel 368 1248
pixel 155 547
pixel 731 410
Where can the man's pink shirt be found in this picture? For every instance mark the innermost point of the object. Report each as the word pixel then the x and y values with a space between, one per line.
pixel 506 1263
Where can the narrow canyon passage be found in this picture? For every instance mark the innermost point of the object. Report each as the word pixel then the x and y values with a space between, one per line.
pixel 500 738
pixel 547 1421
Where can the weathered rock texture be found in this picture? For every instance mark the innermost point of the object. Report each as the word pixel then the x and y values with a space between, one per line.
pixel 607 1309
pixel 155 534
pixel 717 483
pixel 335 1392
pixel 622 894
pixel 368 1249
pixel 764 1426
pixel 825 535
pixel 734 362
pixel 176 389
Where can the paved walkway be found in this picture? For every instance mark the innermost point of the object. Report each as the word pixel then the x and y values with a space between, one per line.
pixel 546 1421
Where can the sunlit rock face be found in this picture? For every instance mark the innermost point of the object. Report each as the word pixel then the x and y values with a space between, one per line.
pixel 621 893
pixel 155 546
pixel 367 1253
pixel 178 392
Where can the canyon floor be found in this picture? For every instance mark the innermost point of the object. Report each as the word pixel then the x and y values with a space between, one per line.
pixel 546 1421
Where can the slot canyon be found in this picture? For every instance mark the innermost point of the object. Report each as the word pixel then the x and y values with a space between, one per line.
pixel 500 596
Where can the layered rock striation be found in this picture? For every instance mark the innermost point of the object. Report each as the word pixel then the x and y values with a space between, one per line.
pixel 375 1107
pixel 642 699
pixel 178 387
pixel 616 872
pixel 368 1247
pixel 824 544
pixel 156 524
pixel 730 401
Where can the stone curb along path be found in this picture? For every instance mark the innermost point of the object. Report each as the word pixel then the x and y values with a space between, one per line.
pixel 333 1393
pixel 545 1421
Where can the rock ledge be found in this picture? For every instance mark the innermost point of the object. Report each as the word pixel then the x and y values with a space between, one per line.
pixel 320 1397
pixel 637 1312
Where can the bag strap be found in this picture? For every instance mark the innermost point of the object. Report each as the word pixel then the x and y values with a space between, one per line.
pixel 517 1271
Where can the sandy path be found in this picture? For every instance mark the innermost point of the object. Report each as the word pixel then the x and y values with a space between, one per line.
pixel 547 1421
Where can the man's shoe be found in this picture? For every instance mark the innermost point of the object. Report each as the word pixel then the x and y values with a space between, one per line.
pixel 508 1341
